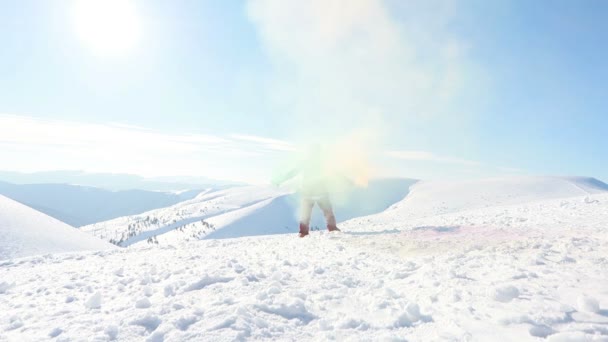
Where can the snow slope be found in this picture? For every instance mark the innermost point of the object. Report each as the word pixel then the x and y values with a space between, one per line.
pixel 189 215
pixel 242 211
pixel 530 271
pixel 432 198
pixel 25 231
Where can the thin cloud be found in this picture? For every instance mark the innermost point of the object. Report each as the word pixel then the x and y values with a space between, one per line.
pixel 429 157
pixel 24 130
pixel 33 144
pixel 33 131
pixel 29 143
pixel 272 144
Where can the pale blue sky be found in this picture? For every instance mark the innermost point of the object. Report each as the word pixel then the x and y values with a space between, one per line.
pixel 228 88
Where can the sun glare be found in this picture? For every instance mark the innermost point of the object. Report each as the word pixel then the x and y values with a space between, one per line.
pixel 107 27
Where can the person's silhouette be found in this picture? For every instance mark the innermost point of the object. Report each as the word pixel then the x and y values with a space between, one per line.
pixel 313 189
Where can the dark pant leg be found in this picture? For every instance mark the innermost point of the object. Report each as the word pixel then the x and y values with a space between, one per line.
pixel 328 212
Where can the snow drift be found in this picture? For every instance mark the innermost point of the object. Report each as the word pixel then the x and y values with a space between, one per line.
pixel 25 231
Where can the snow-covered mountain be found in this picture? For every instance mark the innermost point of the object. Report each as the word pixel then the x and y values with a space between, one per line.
pixel 433 198
pixel 81 205
pixel 242 211
pixel 500 260
pixel 188 217
pixel 25 231
pixel 113 181
pixel 440 197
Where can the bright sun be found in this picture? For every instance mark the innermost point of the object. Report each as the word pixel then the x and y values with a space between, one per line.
pixel 107 27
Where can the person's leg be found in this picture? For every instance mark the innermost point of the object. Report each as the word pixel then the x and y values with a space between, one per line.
pixel 305 213
pixel 325 206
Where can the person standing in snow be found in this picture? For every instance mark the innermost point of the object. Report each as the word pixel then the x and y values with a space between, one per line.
pixel 313 189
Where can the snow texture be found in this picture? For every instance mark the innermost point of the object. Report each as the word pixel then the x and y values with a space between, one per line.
pixel 525 268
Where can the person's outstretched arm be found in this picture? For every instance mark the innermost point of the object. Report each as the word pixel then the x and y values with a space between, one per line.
pixel 284 174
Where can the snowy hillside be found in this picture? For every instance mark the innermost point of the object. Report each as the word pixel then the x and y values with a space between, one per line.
pixel 187 217
pixel 432 198
pixel 81 205
pixel 25 231
pixel 241 211
pixel 530 271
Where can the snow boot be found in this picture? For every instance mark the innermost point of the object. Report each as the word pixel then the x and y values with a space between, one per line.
pixel 303 230
pixel 332 228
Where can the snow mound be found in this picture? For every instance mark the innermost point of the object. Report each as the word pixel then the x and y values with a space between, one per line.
pixel 430 198
pixel 25 231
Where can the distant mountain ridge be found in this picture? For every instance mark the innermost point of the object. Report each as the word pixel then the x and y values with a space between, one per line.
pixel 81 205
pixel 113 181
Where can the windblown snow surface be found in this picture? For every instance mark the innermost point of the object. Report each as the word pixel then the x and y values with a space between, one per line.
pixel 25 231
pixel 475 264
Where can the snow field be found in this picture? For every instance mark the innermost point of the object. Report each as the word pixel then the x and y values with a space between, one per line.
pixel 517 259
pixel 521 272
